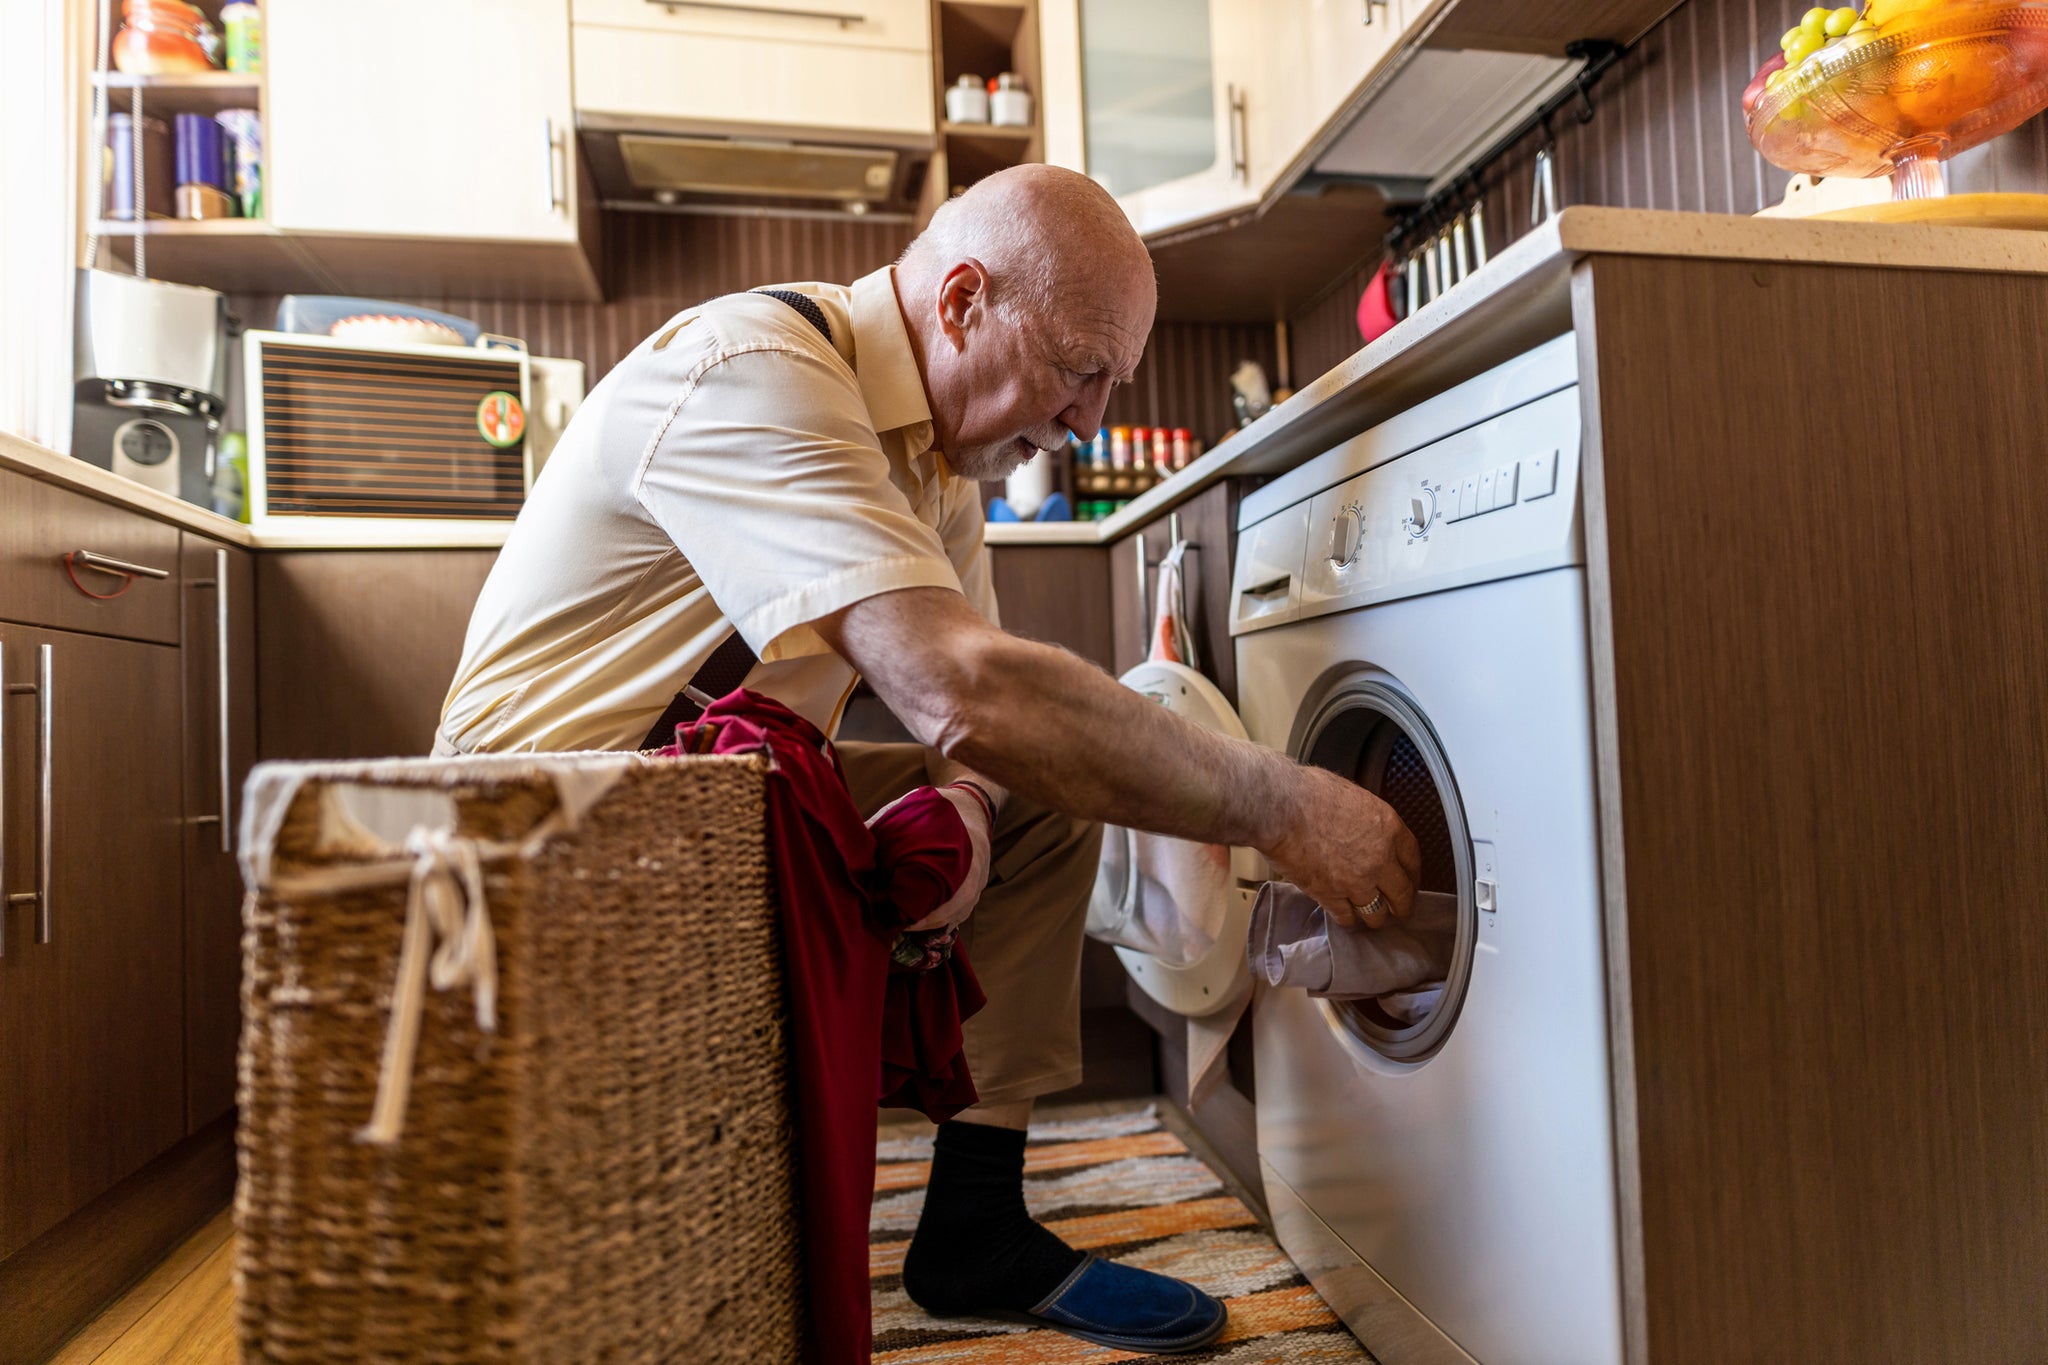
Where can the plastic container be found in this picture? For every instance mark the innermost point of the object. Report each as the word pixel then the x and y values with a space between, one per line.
pixel 1009 103
pixel 244 129
pixel 157 182
pixel 244 24
pixel 160 38
pixel 967 101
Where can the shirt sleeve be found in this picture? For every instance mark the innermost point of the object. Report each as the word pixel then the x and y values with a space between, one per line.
pixel 767 476
pixel 960 527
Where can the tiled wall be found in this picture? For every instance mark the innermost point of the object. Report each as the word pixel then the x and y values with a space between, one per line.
pixel 1666 134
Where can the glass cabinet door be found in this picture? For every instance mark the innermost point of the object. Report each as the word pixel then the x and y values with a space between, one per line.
pixel 1149 90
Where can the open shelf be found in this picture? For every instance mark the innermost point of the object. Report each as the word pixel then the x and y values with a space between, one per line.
pixel 236 255
pixel 205 92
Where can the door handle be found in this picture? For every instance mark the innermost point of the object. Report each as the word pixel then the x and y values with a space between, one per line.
pixel 219 584
pixel 1144 619
pixel 44 691
pixel 1240 152
pixel 547 128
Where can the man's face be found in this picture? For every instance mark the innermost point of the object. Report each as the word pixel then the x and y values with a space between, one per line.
pixel 1018 385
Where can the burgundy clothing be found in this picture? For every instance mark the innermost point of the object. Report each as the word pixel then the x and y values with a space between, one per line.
pixel 858 1031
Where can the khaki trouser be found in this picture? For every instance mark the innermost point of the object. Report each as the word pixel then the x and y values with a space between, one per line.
pixel 1024 939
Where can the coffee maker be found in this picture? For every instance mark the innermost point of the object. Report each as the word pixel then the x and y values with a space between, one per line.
pixel 151 381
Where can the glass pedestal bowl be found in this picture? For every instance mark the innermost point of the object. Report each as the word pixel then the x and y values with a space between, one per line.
pixel 1906 96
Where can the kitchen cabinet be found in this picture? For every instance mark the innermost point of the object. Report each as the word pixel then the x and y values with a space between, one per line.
pixel 344 670
pixel 1343 41
pixel 852 65
pixel 449 125
pixel 1208 521
pixel 92 1068
pixel 218 638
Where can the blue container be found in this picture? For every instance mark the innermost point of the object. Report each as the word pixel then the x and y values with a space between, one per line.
pixel 203 156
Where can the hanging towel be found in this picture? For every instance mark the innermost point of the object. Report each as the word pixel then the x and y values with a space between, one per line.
pixel 1293 943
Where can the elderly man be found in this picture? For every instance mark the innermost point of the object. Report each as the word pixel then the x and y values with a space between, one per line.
pixel 779 487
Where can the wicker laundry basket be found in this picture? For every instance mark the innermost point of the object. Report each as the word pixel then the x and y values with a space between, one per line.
pixel 603 1173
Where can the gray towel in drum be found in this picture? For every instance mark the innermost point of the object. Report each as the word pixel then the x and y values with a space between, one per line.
pixel 1293 943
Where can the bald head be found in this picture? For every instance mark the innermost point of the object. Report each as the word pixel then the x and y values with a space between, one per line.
pixel 1047 235
pixel 1026 298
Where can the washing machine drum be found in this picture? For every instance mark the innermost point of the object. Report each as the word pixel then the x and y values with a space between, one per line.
pixel 1174 910
pixel 1367 728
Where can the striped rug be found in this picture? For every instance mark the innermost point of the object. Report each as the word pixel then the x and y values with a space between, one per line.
pixel 1126 1188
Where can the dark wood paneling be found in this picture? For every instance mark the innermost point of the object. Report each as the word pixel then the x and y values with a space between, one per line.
pixel 53 1287
pixel 1667 134
pixel 1056 593
pixel 40 523
pixel 356 648
pixel 213 880
pixel 1184 379
pixel 1209 522
pixel 1824 778
pixel 92 1083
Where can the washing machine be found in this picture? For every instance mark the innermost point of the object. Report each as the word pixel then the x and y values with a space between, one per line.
pixel 1409 610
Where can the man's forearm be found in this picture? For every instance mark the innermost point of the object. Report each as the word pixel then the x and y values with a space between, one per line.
pixel 1051 725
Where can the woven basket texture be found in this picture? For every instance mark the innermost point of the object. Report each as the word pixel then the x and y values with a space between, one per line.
pixel 606 1176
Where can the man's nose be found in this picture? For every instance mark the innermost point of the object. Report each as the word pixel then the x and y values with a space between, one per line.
pixel 1084 415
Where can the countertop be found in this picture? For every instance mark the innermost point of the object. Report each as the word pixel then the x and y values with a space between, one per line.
pixel 40 462
pixel 1519 299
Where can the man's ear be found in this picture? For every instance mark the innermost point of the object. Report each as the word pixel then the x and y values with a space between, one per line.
pixel 962 294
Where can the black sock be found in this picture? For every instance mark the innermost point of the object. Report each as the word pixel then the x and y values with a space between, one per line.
pixel 976 1248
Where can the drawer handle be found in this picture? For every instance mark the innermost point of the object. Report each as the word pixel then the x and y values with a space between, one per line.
pixel 1273 587
pixel 839 17
pixel 121 568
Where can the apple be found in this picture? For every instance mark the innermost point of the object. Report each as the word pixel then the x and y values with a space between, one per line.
pixel 1754 91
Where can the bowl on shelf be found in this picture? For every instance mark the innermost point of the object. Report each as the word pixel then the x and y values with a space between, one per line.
pixel 1904 96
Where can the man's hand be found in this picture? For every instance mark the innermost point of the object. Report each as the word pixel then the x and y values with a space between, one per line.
pixel 975 816
pixel 1346 847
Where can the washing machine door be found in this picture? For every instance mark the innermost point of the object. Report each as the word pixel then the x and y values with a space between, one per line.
pixel 1363 725
pixel 1176 911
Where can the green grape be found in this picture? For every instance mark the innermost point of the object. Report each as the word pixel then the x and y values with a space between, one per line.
pixel 1791 36
pixel 1840 21
pixel 1803 47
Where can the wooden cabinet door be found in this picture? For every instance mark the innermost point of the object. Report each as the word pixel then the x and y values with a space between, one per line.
pixel 450 119
pixel 1208 521
pixel 219 729
pixel 1346 40
pixel 91 1044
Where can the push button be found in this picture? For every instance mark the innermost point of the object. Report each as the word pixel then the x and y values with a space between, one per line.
pixel 1485 503
pixel 1504 486
pixel 1539 476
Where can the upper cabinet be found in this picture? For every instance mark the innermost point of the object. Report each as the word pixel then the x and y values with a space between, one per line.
pixel 850 65
pixel 1195 110
pixel 450 119
pixel 448 126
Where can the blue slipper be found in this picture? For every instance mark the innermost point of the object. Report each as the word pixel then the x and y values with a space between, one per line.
pixel 1130 1309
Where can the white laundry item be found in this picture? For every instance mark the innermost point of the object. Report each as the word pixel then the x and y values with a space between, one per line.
pixel 1165 898
pixel 1293 943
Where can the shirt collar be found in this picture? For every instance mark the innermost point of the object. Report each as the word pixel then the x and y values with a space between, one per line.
pixel 882 359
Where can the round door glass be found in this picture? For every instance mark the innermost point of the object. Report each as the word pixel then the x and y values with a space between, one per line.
pixel 1366 729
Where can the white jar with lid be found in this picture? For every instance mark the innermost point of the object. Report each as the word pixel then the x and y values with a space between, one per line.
pixel 967 101
pixel 1010 104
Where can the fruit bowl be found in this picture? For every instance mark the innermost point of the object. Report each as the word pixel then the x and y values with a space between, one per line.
pixel 1903 95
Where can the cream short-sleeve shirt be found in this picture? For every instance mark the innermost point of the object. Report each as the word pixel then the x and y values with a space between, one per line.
pixel 736 470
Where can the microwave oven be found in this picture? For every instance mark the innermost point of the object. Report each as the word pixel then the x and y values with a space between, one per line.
pixel 345 437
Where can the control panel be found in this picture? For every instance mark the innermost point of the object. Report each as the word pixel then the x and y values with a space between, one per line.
pixel 1496 499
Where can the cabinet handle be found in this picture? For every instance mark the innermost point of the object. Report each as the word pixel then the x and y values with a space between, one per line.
pixel 220 654
pixel 1369 6
pixel 1240 168
pixel 547 129
pixel 44 689
pixel 1144 617
pixel 840 17
pixel 108 564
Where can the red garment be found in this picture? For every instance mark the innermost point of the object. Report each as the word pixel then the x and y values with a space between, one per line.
pixel 858 1031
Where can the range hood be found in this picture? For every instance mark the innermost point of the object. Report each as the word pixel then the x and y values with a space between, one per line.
pixel 685 169
pixel 1442 108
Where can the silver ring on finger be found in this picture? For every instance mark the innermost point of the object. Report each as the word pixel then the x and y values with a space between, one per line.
pixel 1377 906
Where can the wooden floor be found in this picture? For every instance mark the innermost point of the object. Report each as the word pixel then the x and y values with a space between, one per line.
pixel 182 1311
